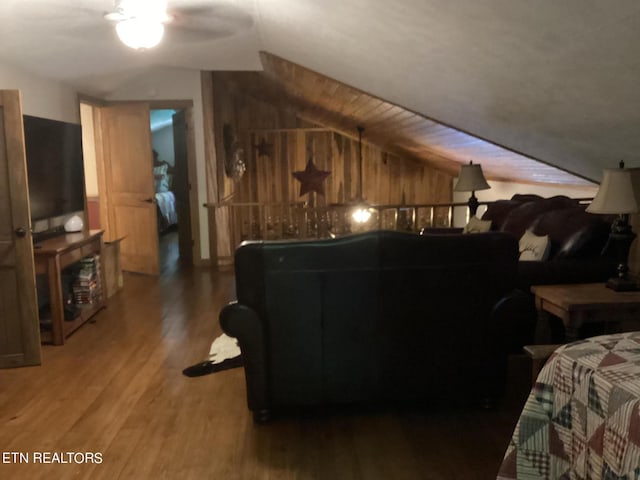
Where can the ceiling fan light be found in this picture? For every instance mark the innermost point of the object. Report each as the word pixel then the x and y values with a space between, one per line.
pixel 140 34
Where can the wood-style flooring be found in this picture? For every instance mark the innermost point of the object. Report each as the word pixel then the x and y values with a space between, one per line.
pixel 116 388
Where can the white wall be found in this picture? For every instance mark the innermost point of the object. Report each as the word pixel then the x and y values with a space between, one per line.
pixel 505 190
pixel 41 97
pixel 176 84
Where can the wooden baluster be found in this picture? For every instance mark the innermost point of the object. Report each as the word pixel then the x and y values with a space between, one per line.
pixel 301 222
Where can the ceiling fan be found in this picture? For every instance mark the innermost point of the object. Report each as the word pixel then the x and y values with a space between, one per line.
pixel 141 24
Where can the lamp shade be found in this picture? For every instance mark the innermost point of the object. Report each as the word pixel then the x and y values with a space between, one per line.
pixel 616 194
pixel 471 178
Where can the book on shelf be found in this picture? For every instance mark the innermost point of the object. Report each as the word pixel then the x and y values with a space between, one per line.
pixel 85 286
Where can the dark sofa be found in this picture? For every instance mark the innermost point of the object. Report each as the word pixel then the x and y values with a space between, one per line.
pixel 376 317
pixel 577 239
pixel 578 254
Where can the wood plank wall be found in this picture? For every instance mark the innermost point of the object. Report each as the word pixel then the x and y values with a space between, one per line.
pixel 387 178
pixel 234 107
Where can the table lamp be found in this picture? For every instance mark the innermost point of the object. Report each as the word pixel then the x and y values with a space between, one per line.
pixel 471 179
pixel 616 196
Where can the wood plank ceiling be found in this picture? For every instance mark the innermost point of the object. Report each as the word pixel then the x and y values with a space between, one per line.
pixel 327 102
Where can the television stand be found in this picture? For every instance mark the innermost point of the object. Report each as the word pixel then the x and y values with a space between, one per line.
pixel 51 257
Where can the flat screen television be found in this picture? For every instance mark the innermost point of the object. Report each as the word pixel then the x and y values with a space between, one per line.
pixel 55 167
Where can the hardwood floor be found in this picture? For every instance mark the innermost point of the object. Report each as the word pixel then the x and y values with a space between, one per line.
pixel 116 388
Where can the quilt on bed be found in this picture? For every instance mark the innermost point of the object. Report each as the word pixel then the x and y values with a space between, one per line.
pixel 582 418
pixel 167 214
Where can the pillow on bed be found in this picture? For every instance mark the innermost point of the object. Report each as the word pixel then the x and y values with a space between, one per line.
pixel 160 169
pixel 162 184
pixel 161 178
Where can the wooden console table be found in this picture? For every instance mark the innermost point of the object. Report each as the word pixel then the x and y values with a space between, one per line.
pixel 51 257
pixel 579 304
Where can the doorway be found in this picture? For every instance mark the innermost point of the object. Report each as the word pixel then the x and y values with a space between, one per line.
pixel 169 172
pixel 168 140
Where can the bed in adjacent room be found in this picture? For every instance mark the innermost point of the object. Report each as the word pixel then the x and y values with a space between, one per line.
pixel 165 199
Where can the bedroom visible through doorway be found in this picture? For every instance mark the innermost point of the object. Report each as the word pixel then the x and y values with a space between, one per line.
pixel 165 184
pixel 167 163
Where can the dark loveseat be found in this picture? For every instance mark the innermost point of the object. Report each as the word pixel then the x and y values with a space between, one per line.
pixel 375 317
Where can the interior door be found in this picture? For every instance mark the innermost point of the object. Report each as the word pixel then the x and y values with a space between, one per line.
pixel 128 167
pixel 181 187
pixel 19 327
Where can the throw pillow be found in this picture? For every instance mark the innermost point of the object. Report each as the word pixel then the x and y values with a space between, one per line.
pixel 160 170
pixel 476 225
pixel 534 247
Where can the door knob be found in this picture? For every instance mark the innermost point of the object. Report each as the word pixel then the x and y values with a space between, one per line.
pixel 149 200
pixel 20 232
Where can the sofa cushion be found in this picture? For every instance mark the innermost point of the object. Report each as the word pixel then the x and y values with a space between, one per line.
pixel 574 233
pixel 497 212
pixel 522 217
pixel 534 247
pixel 526 197
pixel 588 241
pixel 564 270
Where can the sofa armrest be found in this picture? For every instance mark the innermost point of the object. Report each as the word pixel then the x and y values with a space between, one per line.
pixel 511 326
pixel 513 320
pixel 243 323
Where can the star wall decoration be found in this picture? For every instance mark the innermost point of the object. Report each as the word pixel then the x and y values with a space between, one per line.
pixel 264 148
pixel 311 179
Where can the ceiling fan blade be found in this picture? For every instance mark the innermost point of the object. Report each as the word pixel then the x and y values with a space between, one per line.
pixel 179 34
pixel 214 18
pixel 104 31
pixel 54 15
pixel 193 11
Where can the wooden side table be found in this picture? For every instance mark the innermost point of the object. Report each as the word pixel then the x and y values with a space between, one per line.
pixel 579 304
pixel 51 257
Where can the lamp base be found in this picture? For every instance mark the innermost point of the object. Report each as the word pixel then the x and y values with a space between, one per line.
pixel 473 204
pixel 619 284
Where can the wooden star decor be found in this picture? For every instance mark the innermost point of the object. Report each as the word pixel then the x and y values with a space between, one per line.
pixel 264 149
pixel 311 179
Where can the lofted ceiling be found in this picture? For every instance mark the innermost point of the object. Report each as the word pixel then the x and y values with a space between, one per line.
pixel 322 100
pixel 554 81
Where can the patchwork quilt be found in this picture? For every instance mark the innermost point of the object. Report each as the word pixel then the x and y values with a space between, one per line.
pixel 582 418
